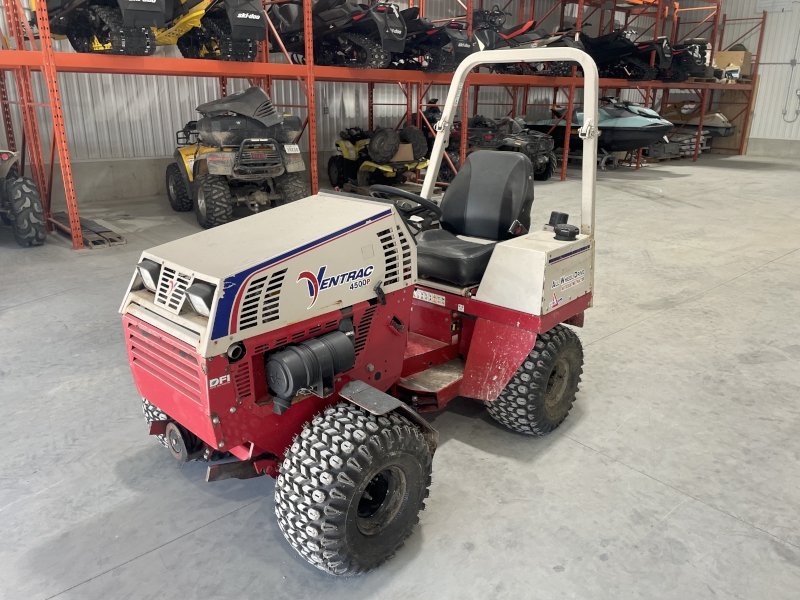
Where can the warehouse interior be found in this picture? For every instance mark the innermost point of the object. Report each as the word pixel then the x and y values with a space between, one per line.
pixel 673 475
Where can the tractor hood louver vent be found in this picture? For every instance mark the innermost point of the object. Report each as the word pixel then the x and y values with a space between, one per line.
pixel 261 300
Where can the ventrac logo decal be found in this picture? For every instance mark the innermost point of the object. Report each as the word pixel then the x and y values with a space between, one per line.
pixel 319 282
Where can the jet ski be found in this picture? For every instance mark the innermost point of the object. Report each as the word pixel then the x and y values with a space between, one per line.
pixel 682 114
pixel 623 126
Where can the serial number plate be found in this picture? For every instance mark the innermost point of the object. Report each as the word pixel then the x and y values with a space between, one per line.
pixel 429 297
pixel 291 148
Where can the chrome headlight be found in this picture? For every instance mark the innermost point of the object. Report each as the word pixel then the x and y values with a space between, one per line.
pixel 200 296
pixel 149 271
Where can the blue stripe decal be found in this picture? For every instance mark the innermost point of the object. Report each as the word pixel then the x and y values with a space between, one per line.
pixel 568 254
pixel 232 284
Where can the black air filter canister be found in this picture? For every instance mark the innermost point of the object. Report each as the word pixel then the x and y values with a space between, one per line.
pixel 312 364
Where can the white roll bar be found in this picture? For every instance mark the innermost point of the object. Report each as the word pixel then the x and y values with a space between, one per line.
pixel 588 131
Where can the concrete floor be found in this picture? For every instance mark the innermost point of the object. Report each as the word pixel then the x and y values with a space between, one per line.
pixel 675 476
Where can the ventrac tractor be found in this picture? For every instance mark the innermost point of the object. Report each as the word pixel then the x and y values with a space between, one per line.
pixel 308 342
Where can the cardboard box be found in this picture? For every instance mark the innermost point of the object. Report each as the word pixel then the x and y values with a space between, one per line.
pixel 743 60
pixel 404 154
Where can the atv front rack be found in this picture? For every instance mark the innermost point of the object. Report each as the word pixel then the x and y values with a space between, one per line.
pixel 258 156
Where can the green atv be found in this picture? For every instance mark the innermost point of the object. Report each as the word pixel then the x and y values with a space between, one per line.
pixel 366 158
pixel 20 203
pixel 242 152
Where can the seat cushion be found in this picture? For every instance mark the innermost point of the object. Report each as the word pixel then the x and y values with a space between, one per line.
pixel 443 256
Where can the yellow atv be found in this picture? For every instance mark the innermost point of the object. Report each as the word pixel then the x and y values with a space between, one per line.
pixel 366 158
pixel 242 152
pixel 220 29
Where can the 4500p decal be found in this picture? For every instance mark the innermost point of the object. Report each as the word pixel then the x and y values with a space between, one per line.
pixel 317 283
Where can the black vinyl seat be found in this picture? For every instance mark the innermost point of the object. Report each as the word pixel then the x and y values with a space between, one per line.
pixel 491 192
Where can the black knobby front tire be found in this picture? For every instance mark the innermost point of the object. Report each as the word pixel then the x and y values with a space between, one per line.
pixel 213 204
pixel 542 391
pixel 544 171
pixel 26 212
pixel 291 187
pixel 337 171
pixel 383 145
pixel 179 198
pixel 414 136
pixel 153 413
pixel 364 178
pixel 351 487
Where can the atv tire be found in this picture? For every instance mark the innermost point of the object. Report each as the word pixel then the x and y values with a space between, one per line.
pixel 414 136
pixel 337 171
pixel 384 145
pixel 545 171
pixel 27 212
pixel 153 413
pixel 213 204
pixel 178 195
pixel 542 391
pixel 446 173
pixel 291 187
pixel 364 178
pixel 351 487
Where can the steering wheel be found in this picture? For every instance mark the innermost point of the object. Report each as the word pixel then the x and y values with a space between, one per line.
pixel 427 210
pixel 497 17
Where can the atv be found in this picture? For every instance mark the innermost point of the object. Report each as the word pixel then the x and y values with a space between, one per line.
pixel 426 44
pixel 483 133
pixel 345 33
pixel 242 152
pixel 365 158
pixel 537 146
pixel 20 203
pixel 310 342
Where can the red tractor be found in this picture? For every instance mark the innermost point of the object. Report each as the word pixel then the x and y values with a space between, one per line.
pixel 307 342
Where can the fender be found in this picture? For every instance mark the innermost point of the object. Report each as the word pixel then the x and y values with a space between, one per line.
pixel 495 354
pixel 389 24
pixel 184 173
pixel 136 13
pixel 247 19
pixel 462 45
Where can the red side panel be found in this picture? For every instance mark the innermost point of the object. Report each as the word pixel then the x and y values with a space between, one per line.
pixel 496 352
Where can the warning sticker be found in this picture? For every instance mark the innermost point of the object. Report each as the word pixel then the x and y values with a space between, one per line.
pixel 429 297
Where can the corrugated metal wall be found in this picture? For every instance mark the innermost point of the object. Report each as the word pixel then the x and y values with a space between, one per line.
pixel 779 80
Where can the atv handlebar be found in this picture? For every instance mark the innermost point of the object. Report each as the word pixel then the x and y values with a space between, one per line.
pixel 587 132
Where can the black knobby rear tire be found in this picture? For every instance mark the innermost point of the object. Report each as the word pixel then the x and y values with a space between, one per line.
pixel 153 413
pixel 291 187
pixel 337 170
pixel 364 178
pixel 414 136
pixel 446 173
pixel 26 212
pixel 545 171
pixel 351 487
pixel 542 391
pixel 384 145
pixel 179 198
pixel 213 204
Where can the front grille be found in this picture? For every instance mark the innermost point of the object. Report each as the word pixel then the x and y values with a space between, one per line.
pixel 241 380
pixel 171 290
pixel 163 360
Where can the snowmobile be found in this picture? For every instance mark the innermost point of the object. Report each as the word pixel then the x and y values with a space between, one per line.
pixel 20 203
pixel 617 57
pixel 366 158
pixel 689 59
pixel 242 152
pixel 426 44
pixel 684 115
pixel 624 126
pixel 345 34
pixel 490 34
pixel 310 342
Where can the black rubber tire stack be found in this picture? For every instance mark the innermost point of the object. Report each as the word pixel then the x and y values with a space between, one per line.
pixel 321 495
pixel 384 145
pixel 291 187
pixel 542 391
pixel 414 136
pixel 26 212
pixel 213 204
pixel 178 195
pixel 545 171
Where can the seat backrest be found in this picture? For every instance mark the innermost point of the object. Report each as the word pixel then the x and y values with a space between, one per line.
pixel 489 193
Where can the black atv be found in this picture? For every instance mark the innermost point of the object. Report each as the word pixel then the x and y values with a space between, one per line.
pixel 108 26
pixel 535 145
pixel 345 34
pixel 20 203
pixel 427 44
pixel 229 30
pixel 242 152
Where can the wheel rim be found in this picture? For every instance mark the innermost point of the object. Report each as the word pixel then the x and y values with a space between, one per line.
pixel 381 501
pixel 175 441
pixel 556 386
pixel 201 202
